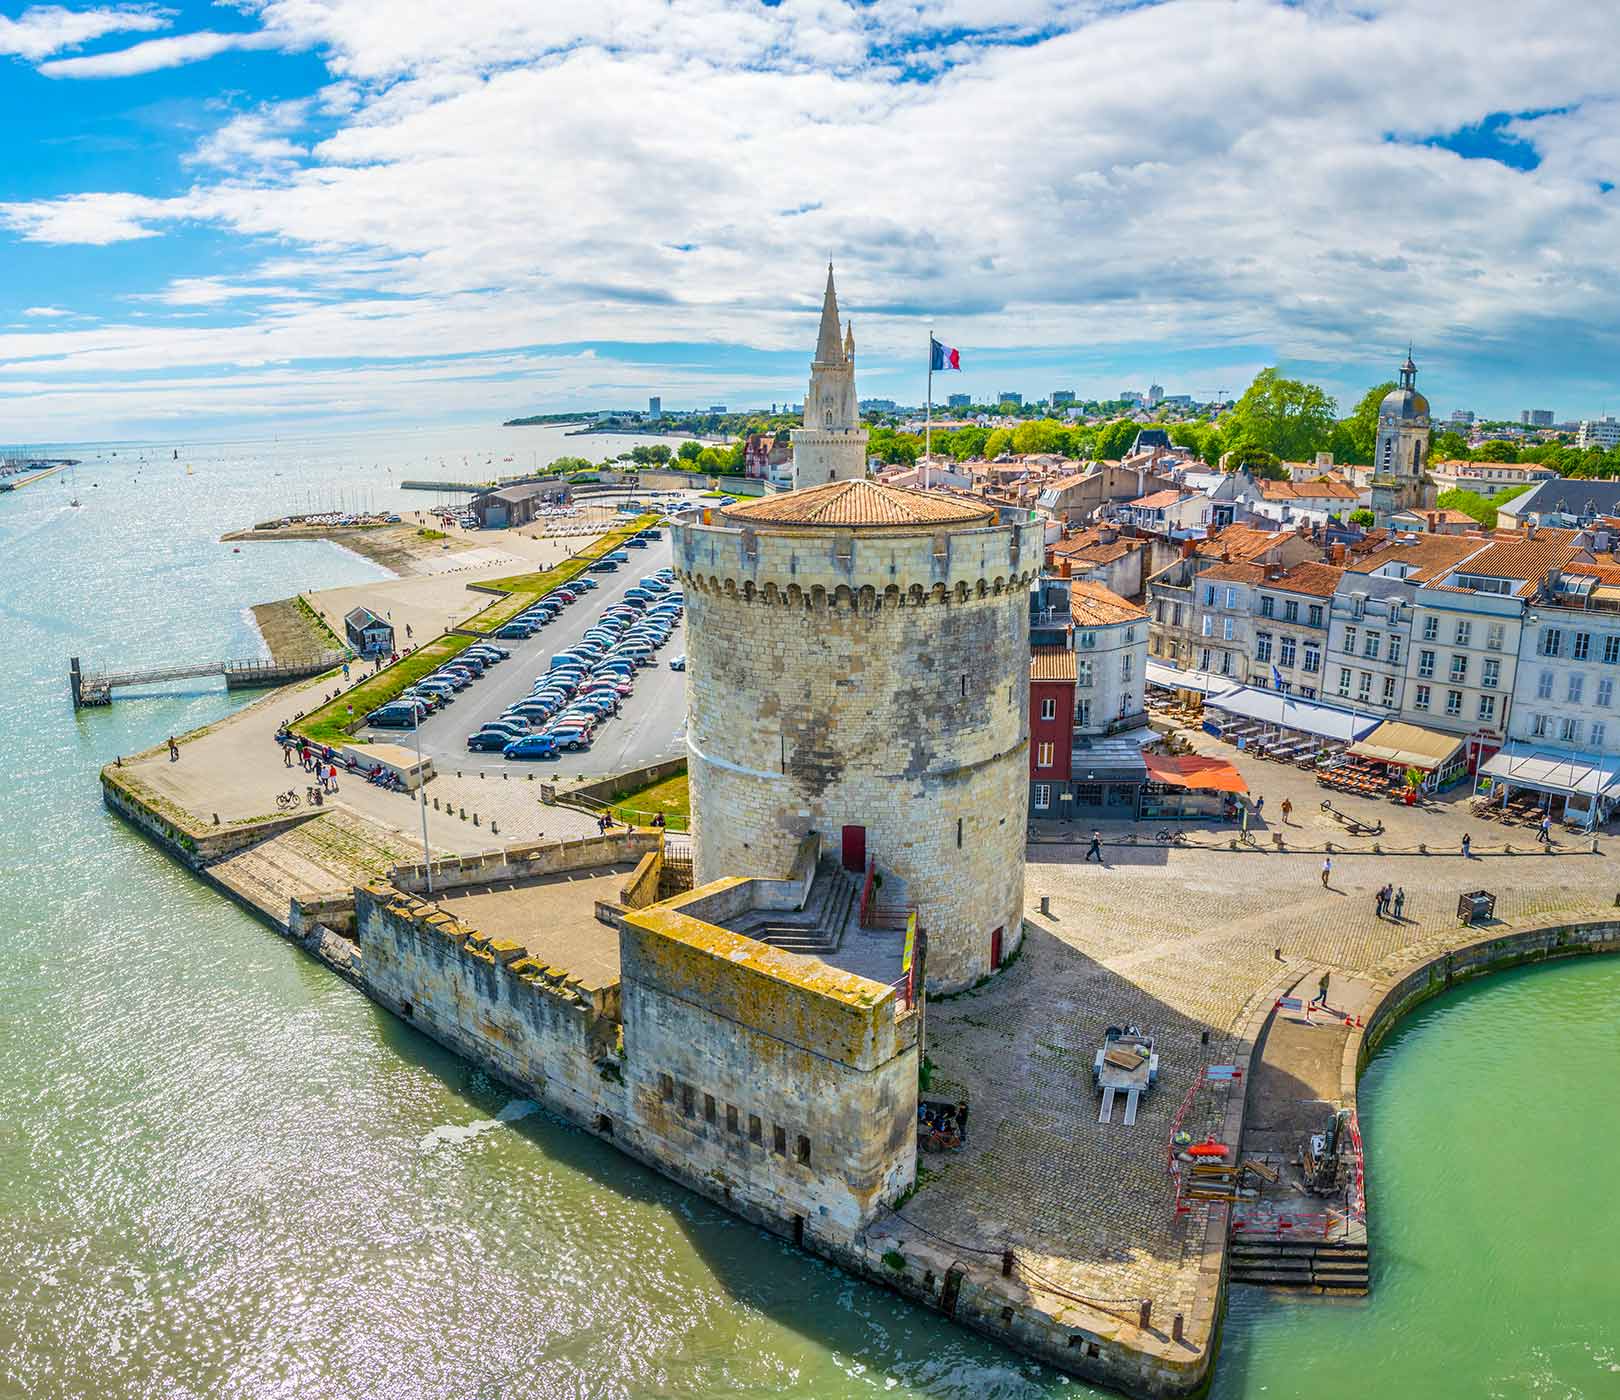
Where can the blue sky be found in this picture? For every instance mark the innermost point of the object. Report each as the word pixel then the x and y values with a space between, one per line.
pixel 229 217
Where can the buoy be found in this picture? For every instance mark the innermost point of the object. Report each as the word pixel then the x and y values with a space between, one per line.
pixel 1207 1148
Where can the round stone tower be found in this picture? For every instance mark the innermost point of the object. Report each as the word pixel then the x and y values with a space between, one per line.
pixel 859 666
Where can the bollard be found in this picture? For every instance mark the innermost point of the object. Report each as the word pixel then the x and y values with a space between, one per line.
pixel 494 829
pixel 1277 839
pixel 504 775
pixel 1046 902
pixel 475 818
pixel 1145 1318
pixel 1006 1263
pixel 1423 848
pixel 1175 1328
pixel 435 804
pixel 1203 1037
pixel 216 818
pixel 480 775
pixel 464 814
pixel 1377 849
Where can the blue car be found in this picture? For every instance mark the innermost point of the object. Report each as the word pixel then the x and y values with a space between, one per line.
pixel 515 631
pixel 531 746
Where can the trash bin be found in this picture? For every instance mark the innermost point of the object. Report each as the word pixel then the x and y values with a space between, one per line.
pixel 1476 906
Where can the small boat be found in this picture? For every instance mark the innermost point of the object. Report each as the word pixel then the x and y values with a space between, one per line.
pixel 74 501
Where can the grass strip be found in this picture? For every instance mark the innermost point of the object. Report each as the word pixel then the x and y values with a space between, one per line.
pixel 672 797
pixel 329 640
pixel 525 590
pixel 329 724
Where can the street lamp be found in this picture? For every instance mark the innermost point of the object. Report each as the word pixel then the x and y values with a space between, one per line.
pixel 421 792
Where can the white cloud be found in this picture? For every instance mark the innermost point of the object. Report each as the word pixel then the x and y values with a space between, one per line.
pixel 47 313
pixel 153 54
pixel 495 176
pixel 42 30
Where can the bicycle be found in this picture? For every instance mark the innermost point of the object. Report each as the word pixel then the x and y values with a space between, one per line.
pixel 288 801
pixel 1167 837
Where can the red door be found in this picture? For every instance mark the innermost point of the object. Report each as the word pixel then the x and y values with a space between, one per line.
pixel 855 848
pixel 995 948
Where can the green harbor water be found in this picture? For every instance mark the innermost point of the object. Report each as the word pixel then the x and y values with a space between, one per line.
pixel 223 1173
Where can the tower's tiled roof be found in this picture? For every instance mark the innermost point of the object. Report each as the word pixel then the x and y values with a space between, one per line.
pixel 856 503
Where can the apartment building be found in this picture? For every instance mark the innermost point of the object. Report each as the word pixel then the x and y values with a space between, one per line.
pixel 1110 660
pixel 1291 627
pixel 1467 625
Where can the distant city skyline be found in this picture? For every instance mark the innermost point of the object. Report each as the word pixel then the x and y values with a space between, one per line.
pixel 234 217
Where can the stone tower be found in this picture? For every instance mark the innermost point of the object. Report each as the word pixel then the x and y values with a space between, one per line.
pixel 859 662
pixel 1400 456
pixel 831 446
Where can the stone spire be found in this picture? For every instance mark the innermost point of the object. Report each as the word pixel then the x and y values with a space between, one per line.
pixel 849 341
pixel 828 351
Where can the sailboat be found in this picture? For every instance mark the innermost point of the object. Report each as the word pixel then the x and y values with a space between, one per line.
pixel 189 471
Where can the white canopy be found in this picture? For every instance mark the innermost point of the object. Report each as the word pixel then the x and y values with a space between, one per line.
pixel 1547 770
pixel 1289 712
pixel 1162 673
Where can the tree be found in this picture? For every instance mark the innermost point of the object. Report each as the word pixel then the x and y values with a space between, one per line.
pixel 1481 508
pixel 1258 463
pixel 1114 439
pixel 711 460
pixel 1286 417
pixel 1448 446
pixel 1363 518
pixel 998 443
pixel 1038 435
pixel 564 465
pixel 1360 429
pixel 1496 450
pixel 967 442
pixel 689 451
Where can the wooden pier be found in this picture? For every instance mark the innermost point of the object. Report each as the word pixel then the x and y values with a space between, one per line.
pixel 96 687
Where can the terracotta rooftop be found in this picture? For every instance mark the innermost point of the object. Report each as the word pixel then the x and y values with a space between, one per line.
pixel 1320 489
pixel 1156 500
pixel 859 503
pixel 1051 664
pixel 1092 555
pixel 1526 560
pixel 1425 555
pixel 1318 580
pixel 1242 542
pixel 1092 605
pixel 1234 573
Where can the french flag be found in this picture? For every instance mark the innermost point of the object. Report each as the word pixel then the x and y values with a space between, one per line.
pixel 943 356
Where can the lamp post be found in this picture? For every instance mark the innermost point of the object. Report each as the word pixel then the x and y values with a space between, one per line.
pixel 421 793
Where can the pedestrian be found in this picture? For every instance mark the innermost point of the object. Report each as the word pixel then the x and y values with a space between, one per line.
pixel 1400 904
pixel 407 629
pixel 1287 811
pixel 1381 900
pixel 1259 805
pixel 1544 831
pixel 1095 848
pixel 174 750
pixel 1467 847
pixel 1322 989
pixel 286 754
pixel 1327 870
pixel 331 773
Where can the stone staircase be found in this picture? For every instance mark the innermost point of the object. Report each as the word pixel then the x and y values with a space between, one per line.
pixel 818 928
pixel 1315 1265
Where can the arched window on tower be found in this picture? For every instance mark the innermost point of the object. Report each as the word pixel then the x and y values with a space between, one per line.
pixel 828 416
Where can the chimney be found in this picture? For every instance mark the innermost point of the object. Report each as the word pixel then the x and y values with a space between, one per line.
pixel 1274 571
pixel 1065 568
pixel 1338 551
pixel 1434 523
pixel 1106 533
pixel 1188 547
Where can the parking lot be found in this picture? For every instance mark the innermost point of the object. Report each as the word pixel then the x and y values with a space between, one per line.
pixel 651 726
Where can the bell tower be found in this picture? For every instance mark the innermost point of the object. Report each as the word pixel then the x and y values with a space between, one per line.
pixel 831 446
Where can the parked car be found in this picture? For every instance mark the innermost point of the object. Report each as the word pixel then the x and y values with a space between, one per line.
pixel 532 746
pixel 515 631
pixel 604 566
pixel 488 741
pixel 571 737
pixel 636 542
pixel 394 716
pixel 678 663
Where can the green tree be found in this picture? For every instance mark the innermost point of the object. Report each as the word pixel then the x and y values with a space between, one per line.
pixel 1496 450
pixel 1037 435
pixel 1286 417
pixel 689 451
pixel 1360 429
pixel 1114 439
pixel 1481 508
pixel 564 465
pixel 1258 463
pixel 1448 446
pixel 711 460
pixel 998 443
pixel 1363 518
pixel 967 443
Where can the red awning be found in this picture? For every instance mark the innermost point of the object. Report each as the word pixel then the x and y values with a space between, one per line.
pixel 1191 771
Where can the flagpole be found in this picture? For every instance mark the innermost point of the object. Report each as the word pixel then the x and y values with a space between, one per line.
pixel 928 421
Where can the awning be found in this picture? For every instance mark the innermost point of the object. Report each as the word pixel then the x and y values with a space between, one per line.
pixel 1191 771
pixel 1168 677
pixel 1547 770
pixel 1409 745
pixel 1287 712
pixel 1108 760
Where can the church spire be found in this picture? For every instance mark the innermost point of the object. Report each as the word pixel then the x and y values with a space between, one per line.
pixel 828 351
pixel 849 341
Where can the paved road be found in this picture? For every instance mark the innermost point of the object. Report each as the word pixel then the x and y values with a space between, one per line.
pixel 651 726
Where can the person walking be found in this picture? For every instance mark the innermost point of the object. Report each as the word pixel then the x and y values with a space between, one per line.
pixel 331 774
pixel 1399 905
pixel 1094 850
pixel 1382 900
pixel 1287 811
pixel 1322 989
pixel 286 755
pixel 1259 805
pixel 1544 831
pixel 1467 847
pixel 174 750
pixel 1327 870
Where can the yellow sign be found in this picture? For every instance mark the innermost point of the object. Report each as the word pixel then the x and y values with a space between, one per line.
pixel 911 938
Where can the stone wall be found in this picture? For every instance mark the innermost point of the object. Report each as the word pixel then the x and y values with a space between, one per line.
pixel 780 1085
pixel 170 828
pixel 483 998
pixel 874 681
pixel 601 792
pixel 528 861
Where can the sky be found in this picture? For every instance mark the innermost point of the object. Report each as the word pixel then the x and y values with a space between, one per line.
pixel 221 218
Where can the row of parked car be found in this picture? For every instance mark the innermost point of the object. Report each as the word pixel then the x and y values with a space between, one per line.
pixel 588 683
pixel 416 702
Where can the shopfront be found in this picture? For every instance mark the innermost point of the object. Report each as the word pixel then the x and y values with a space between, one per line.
pixel 1191 788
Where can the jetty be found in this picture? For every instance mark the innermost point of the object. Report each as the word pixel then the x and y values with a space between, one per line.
pixel 96 687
